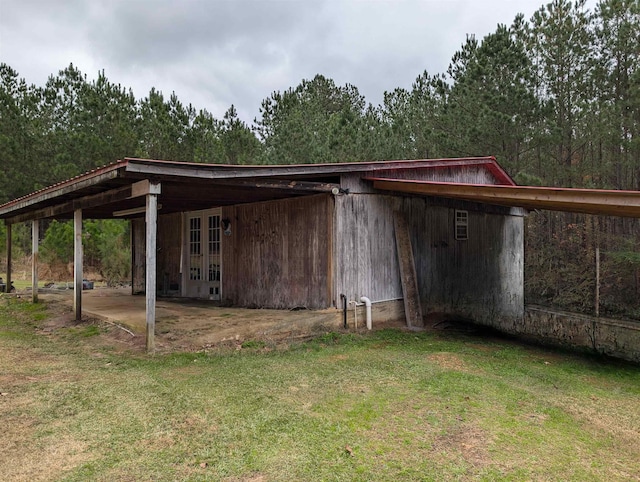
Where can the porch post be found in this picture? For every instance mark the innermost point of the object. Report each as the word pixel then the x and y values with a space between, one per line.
pixel 8 285
pixel 34 260
pixel 77 263
pixel 150 285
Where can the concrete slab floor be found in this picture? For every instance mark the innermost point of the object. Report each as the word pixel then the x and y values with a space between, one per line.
pixel 191 324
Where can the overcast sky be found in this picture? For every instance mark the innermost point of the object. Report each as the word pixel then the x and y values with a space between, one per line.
pixel 214 53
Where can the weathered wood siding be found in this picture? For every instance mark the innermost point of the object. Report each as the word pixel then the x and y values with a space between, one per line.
pixel 365 248
pixel 278 253
pixel 481 278
pixel 169 252
pixel 468 175
pixel 169 241
pixel 138 255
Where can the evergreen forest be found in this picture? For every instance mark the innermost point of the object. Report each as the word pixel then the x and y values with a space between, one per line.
pixel 555 98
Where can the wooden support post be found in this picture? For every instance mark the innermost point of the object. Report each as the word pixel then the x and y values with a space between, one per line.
pixel 34 260
pixel 132 243
pixel 597 281
pixel 8 285
pixel 150 285
pixel 77 263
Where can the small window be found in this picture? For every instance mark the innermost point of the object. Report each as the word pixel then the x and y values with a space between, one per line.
pixel 462 225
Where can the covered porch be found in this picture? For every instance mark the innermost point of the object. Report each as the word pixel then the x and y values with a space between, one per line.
pixel 191 325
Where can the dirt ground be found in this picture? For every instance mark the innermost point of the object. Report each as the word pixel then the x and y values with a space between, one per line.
pixel 188 325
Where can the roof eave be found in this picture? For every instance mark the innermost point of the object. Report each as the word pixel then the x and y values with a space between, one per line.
pixel 77 183
pixel 586 201
pixel 224 171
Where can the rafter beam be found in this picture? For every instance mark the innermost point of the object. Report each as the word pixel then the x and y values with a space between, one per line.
pixel 281 184
pixel 87 180
pixel 137 189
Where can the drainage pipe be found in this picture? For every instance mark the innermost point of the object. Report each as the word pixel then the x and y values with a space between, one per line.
pixel 367 303
pixel 385 301
pixel 355 313
pixel 344 310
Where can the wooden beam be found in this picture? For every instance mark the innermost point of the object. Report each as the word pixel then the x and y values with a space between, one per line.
pixel 9 246
pixel 150 285
pixel 132 243
pixel 88 180
pixel 588 201
pixel 77 263
pixel 144 187
pixel 35 225
pixel 281 184
pixel 137 189
pixel 216 171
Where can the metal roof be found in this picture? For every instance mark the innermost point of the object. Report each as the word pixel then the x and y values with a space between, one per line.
pixel 588 201
pixel 191 186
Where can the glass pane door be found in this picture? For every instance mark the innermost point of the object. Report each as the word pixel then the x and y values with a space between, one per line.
pixel 214 248
pixel 195 249
pixel 203 258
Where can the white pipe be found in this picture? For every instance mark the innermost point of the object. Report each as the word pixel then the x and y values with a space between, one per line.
pixel 385 301
pixel 367 303
pixel 355 313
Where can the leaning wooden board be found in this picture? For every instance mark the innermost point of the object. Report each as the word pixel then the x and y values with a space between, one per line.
pixel 412 308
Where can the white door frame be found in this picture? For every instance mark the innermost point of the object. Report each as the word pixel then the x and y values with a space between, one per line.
pixel 202 253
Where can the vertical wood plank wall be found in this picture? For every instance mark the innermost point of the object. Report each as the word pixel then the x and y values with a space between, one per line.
pixel 278 253
pixel 306 251
pixel 169 250
pixel 480 278
pixel 469 175
pixel 169 241
pixel 365 247
pixel 139 255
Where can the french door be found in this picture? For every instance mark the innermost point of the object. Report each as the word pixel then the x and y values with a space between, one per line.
pixel 203 249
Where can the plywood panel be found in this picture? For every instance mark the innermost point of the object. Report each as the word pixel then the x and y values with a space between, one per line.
pixel 278 253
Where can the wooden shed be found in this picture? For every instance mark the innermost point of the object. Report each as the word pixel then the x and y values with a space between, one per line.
pixel 307 237
pixel 444 235
pixel 311 236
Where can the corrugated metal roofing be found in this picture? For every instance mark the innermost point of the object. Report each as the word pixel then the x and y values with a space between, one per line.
pixel 588 201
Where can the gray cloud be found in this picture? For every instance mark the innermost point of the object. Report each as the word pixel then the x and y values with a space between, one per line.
pixel 165 31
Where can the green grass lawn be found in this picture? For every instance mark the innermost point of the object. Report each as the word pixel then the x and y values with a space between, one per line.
pixel 388 405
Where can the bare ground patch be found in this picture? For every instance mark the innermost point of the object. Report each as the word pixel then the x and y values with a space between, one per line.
pixel 450 361
pixel 466 441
